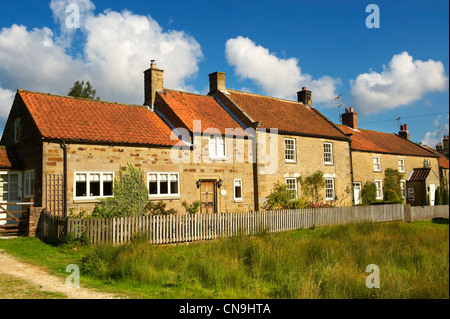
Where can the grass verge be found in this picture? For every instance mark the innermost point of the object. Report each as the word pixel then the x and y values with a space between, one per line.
pixel 325 262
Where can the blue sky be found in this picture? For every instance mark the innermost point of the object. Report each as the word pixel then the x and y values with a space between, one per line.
pixel 266 47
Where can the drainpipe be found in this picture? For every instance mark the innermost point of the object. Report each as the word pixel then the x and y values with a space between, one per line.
pixel 256 125
pixel 351 170
pixel 64 147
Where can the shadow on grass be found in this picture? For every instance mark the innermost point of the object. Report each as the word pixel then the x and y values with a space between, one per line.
pixel 440 220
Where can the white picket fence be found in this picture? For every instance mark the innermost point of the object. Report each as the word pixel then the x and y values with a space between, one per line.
pixel 187 228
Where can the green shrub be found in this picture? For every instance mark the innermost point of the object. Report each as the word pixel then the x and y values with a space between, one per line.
pixel 130 195
pixel 385 202
pixel 282 198
pixel 391 196
pixel 445 197
pixel 392 178
pixel 312 185
pixel 158 209
pixel 438 197
pixel 191 208
pixel 369 193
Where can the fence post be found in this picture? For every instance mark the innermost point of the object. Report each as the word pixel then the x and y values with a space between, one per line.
pixel 407 217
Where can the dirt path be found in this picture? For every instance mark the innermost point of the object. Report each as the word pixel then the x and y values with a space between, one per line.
pixel 40 278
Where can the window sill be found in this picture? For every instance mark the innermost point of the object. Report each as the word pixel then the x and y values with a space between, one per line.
pixel 238 200
pixel 86 201
pixel 151 198
pixel 218 159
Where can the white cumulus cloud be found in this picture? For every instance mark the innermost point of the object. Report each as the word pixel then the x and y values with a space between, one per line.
pixel 403 81
pixel 6 99
pixel 440 129
pixel 116 49
pixel 70 15
pixel 277 77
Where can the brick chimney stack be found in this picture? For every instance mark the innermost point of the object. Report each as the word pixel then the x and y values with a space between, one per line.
pixel 404 131
pixel 439 147
pixel 304 96
pixel 153 82
pixel 217 81
pixel 446 138
pixel 350 118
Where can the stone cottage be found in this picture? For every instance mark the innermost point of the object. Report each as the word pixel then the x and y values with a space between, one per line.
pixel 373 152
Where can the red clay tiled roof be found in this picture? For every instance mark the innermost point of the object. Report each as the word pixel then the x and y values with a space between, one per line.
pixel 189 107
pixel 285 115
pixel 443 161
pixel 380 142
pixel 62 117
pixel 7 159
pixel 419 174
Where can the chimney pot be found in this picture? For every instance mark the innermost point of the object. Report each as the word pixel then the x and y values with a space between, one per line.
pixel 404 131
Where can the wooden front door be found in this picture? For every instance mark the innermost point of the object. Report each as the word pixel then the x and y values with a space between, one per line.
pixel 208 196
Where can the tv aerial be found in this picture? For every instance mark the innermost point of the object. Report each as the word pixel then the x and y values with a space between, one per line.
pixel 338 98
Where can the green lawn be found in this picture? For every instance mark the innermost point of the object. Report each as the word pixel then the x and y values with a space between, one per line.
pixel 325 262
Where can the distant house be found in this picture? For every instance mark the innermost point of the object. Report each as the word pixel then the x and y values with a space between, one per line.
pixel 373 152
pixel 421 187
pixel 443 167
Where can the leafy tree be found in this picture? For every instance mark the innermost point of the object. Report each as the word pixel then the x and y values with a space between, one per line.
pixel 130 195
pixel 80 90
pixel 312 185
pixel 392 178
pixel 369 193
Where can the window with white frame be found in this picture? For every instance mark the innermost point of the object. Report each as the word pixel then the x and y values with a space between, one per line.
pixel 401 165
pixel 410 193
pixel 376 164
pixel 91 185
pixel 16 130
pixel 29 183
pixel 238 189
pixel 328 153
pixel 217 147
pixel 403 188
pixel 426 163
pixel 292 187
pixel 379 186
pixel 289 150
pixel 163 184
pixel 329 189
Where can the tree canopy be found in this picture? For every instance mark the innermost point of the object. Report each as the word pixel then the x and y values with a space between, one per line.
pixel 79 89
